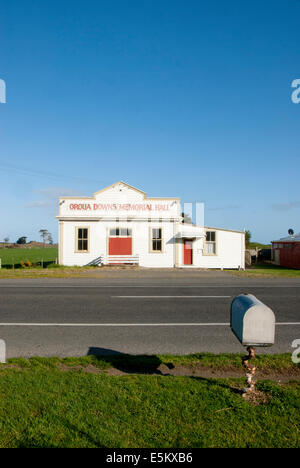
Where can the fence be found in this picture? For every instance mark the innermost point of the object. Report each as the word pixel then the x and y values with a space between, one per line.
pixel 23 264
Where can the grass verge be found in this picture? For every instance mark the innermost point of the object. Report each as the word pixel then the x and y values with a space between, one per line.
pixel 50 272
pixel 42 405
pixel 267 270
pixel 150 363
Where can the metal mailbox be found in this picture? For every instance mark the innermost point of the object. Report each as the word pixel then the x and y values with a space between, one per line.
pixel 252 322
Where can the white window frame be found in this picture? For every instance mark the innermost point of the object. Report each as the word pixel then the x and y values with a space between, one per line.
pixel 120 235
pixel 215 243
pixel 77 239
pixel 151 239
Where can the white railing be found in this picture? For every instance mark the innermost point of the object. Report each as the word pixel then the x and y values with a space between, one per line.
pixel 122 260
pixel 115 260
pixel 98 261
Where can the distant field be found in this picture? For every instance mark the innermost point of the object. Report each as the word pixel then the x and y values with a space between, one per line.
pixel 10 257
pixel 253 245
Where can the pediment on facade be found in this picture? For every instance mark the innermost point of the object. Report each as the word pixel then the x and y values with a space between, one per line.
pixel 120 191
pixel 122 200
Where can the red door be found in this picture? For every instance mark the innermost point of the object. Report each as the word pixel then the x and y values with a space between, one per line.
pixel 188 252
pixel 120 246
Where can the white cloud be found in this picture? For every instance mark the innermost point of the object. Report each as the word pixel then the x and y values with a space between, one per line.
pixel 48 196
pixel 224 208
pixel 39 204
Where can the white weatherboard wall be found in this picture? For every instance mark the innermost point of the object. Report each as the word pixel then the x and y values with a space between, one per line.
pixel 230 251
pixel 99 247
pixel 123 206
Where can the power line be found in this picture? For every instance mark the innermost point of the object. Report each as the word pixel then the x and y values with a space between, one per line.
pixel 46 174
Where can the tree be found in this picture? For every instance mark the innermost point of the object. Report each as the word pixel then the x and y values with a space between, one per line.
pixel 248 236
pixel 50 238
pixel 186 219
pixel 44 234
pixel 6 240
pixel 22 240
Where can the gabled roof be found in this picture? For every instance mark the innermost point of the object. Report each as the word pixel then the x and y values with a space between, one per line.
pixel 294 238
pixel 121 183
pixel 115 185
pixel 223 229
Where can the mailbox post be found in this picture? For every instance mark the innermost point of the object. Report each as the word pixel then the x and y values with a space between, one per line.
pixel 253 324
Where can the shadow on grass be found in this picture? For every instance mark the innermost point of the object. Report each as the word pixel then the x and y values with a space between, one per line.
pixel 140 364
pixel 150 365
pixel 234 388
pixel 128 363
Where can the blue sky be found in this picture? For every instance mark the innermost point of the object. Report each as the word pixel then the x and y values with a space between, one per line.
pixel 189 99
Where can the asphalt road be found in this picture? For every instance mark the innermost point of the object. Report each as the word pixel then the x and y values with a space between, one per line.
pixel 143 315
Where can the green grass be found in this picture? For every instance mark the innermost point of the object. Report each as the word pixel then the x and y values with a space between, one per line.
pixel 50 272
pixel 42 406
pixel 226 360
pixel 10 257
pixel 268 270
pixel 253 245
pixel 149 363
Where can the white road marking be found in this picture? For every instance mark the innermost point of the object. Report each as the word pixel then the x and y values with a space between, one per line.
pixel 158 286
pixel 288 323
pixel 113 324
pixel 127 324
pixel 170 297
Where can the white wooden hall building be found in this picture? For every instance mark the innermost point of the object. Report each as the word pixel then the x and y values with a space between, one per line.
pixel 121 225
